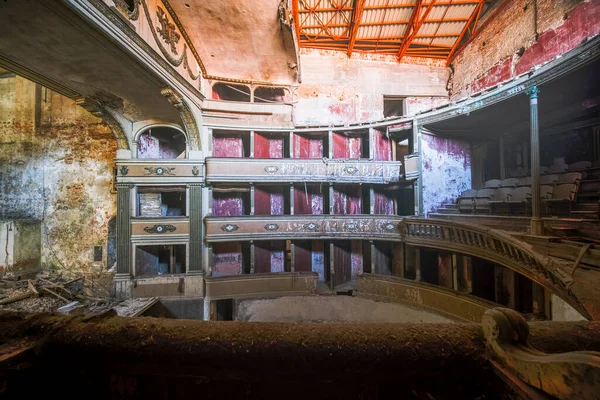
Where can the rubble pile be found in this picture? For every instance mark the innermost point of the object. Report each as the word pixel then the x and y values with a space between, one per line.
pixel 50 292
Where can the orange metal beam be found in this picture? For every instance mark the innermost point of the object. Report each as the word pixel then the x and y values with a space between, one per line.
pixel 384 23
pixel 296 19
pixel 462 34
pixel 382 7
pixel 416 25
pixel 359 6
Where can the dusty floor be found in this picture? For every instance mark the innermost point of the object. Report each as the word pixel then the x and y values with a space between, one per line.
pixel 331 309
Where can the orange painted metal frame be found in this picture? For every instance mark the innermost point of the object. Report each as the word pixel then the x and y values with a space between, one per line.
pixel 339 31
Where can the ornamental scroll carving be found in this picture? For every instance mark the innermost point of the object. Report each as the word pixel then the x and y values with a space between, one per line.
pixel 160 228
pixel 167 30
pixel 167 33
pixel 99 110
pixel 131 11
pixel 185 112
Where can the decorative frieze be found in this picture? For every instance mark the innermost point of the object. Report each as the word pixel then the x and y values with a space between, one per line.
pixel 154 171
pixel 160 228
pixel 312 170
pixel 302 227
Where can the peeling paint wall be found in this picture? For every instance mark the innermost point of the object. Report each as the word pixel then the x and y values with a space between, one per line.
pixel 497 53
pixel 446 170
pixel 56 166
pixel 336 89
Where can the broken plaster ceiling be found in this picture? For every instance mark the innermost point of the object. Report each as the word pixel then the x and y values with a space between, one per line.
pixel 240 40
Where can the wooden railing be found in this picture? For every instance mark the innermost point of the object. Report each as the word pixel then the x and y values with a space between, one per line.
pixel 287 227
pixel 493 245
pixel 261 285
pixel 486 243
pixel 451 303
pixel 301 170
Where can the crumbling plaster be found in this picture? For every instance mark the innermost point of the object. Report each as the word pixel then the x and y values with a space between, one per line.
pixel 514 41
pixel 56 165
pixel 336 89
pixel 446 171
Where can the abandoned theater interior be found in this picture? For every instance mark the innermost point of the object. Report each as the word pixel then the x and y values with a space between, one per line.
pixel 384 198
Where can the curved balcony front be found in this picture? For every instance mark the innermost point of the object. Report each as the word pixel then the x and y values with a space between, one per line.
pixel 284 227
pixel 288 170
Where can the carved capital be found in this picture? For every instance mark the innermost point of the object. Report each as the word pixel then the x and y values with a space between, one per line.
pixel 185 112
pixel 127 10
pixel 99 110
pixel 565 376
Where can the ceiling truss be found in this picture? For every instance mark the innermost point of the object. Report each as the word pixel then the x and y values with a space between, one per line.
pixel 404 28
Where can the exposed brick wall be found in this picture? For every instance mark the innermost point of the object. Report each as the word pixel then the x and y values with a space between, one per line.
pixel 508 45
pixel 56 165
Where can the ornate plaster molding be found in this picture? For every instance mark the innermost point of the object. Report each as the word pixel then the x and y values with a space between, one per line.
pixel 564 376
pixel 124 8
pixel 187 116
pixel 99 110
pixel 135 38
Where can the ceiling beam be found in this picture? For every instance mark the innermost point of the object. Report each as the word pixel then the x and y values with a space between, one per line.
pixel 382 7
pixel 415 25
pixel 385 23
pixel 296 17
pixel 359 6
pixel 476 12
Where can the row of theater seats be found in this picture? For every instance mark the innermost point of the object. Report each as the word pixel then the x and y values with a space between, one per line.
pixel 556 200
pixel 512 196
pixel 571 190
pixel 557 167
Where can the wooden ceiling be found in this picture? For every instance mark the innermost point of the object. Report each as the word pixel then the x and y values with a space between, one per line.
pixel 404 28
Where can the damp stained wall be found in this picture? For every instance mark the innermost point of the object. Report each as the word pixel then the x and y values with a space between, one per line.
pixel 56 166
pixel 497 53
pixel 446 170
pixel 336 89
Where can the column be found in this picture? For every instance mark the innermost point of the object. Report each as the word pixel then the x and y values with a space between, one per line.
pixel 537 227
pixel 123 229
pixel 502 161
pixel 195 262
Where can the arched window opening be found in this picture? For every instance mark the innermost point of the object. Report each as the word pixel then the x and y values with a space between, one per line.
pixel 161 142
pixel 230 92
pixel 269 95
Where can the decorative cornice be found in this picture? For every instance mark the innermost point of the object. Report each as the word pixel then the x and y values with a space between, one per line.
pixel 185 112
pixel 99 110
pixel 125 28
pixel 192 48
pixel 576 58
pixel 124 8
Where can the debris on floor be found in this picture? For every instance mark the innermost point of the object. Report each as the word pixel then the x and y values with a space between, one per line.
pixel 48 292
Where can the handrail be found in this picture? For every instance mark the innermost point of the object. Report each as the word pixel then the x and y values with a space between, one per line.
pixel 474 240
pixel 450 303
pixel 571 375
pixel 260 285
pixel 302 170
pixel 493 245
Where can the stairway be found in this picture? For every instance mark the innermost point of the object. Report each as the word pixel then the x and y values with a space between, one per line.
pixel 588 197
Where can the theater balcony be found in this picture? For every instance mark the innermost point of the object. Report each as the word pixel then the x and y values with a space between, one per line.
pixel 303 170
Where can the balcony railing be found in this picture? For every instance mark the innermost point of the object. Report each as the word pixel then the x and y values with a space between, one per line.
pixel 283 227
pixel 301 170
pixel 456 305
pixel 486 243
pixel 261 285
